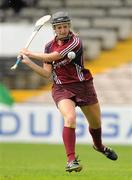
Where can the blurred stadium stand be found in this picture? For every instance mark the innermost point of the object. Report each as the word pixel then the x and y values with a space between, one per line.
pixel 102 25
pixel 114 86
pixel 20 78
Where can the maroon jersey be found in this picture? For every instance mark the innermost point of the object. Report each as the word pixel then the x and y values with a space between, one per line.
pixel 66 70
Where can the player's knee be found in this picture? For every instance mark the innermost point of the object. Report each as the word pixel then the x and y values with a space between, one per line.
pixel 70 121
pixel 98 122
pixel 95 124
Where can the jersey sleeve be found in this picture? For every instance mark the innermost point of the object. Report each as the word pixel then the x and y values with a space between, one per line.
pixel 47 50
pixel 73 45
pixel 47 47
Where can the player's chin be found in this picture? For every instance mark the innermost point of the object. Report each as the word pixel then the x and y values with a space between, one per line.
pixel 62 36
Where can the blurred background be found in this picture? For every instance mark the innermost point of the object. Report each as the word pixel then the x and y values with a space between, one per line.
pixel 105 28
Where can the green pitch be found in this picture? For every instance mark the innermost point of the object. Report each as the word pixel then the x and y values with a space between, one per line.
pixel 47 162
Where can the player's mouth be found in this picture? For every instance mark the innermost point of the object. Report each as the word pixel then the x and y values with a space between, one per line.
pixel 62 36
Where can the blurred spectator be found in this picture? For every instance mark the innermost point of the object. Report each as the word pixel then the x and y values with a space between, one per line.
pixel 17 5
pixel 30 2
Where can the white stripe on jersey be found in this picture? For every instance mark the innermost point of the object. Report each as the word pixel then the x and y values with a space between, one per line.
pixel 70 47
pixel 79 73
pixel 56 78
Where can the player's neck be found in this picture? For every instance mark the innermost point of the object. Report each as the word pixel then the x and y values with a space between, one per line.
pixel 59 42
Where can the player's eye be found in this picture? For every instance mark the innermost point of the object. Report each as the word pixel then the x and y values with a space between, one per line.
pixel 59 27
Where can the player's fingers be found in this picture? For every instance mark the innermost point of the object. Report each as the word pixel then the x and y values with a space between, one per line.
pixel 25 59
pixel 24 51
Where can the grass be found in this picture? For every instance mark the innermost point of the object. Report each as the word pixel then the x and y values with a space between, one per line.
pixel 47 162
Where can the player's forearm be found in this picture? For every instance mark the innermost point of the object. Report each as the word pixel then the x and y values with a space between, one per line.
pixel 39 70
pixel 45 57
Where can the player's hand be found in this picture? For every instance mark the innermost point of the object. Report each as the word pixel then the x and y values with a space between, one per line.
pixel 25 52
pixel 25 59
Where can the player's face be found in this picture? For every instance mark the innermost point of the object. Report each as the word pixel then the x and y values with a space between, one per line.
pixel 62 30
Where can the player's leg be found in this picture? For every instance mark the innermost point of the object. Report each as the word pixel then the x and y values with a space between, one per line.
pixel 67 109
pixel 93 116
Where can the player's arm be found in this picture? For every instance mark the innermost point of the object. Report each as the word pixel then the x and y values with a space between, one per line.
pixel 56 55
pixel 44 71
pixel 45 57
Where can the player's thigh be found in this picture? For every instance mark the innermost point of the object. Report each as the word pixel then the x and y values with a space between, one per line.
pixel 92 114
pixel 67 108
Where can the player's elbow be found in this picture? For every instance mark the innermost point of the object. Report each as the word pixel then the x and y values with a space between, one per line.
pixel 52 57
pixel 46 75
